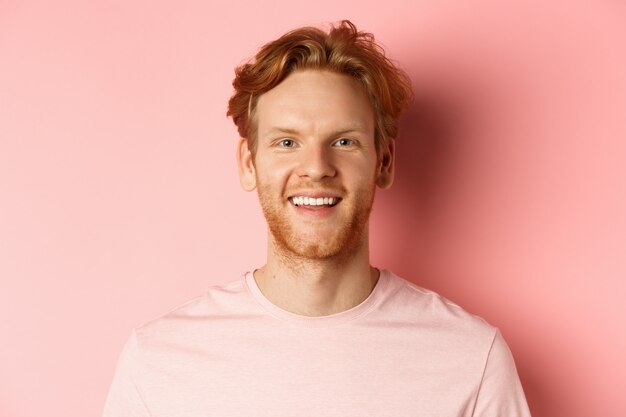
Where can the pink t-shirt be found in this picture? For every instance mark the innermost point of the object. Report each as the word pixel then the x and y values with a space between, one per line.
pixel 404 351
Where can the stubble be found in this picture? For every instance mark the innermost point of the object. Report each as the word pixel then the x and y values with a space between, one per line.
pixel 337 245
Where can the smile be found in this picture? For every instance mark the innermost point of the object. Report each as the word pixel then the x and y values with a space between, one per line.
pixel 314 201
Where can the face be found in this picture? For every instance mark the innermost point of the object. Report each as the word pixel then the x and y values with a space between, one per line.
pixel 316 166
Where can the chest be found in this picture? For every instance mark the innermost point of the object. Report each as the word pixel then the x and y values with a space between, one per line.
pixel 359 374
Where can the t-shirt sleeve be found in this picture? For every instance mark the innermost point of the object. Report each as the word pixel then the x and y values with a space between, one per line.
pixel 124 398
pixel 500 393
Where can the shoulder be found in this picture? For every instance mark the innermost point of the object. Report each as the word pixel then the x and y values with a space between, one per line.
pixel 428 309
pixel 217 303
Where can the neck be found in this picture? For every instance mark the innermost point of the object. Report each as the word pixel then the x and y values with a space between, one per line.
pixel 317 287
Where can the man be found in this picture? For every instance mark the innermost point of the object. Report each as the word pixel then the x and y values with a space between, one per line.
pixel 317 331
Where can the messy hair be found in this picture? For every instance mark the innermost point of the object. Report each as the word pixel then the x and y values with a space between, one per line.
pixel 342 50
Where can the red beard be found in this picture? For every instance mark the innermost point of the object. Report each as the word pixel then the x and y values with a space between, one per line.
pixel 340 242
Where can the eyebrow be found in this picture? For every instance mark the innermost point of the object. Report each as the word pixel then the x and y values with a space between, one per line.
pixel 291 131
pixel 281 130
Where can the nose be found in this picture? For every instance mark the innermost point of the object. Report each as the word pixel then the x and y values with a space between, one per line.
pixel 316 163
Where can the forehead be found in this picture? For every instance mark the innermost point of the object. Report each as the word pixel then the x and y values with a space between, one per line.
pixel 315 101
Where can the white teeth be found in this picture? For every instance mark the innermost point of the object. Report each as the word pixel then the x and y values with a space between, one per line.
pixel 310 201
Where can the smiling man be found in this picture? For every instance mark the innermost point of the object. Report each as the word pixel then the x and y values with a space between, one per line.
pixel 316 166
pixel 317 330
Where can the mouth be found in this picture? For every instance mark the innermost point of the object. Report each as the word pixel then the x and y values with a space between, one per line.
pixel 314 202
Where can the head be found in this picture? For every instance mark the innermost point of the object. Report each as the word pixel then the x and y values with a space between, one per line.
pixel 343 50
pixel 317 114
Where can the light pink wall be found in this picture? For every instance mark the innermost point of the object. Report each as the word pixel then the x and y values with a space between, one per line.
pixel 119 197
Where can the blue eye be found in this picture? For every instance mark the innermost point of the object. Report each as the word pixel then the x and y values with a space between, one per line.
pixel 287 143
pixel 344 142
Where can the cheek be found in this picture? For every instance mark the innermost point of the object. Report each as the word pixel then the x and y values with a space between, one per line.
pixel 365 171
pixel 274 174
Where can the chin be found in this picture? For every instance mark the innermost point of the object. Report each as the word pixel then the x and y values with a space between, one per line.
pixel 316 248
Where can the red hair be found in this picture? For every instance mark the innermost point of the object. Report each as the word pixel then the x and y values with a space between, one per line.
pixel 343 50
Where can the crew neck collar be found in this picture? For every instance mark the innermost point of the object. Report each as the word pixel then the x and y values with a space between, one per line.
pixel 319 321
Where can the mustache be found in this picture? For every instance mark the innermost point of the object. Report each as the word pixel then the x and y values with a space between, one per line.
pixel 315 188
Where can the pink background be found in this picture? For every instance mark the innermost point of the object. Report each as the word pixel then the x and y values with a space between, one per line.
pixel 119 197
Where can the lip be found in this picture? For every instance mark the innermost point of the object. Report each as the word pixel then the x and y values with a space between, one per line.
pixel 315 194
pixel 315 212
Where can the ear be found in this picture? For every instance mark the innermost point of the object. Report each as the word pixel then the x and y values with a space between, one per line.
pixel 386 163
pixel 245 162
